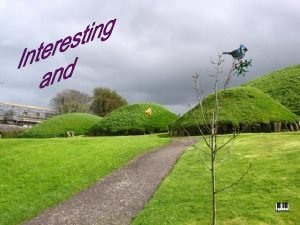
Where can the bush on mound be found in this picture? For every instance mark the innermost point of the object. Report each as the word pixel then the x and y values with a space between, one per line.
pixel 245 109
pixel 132 119
pixel 283 86
pixel 58 126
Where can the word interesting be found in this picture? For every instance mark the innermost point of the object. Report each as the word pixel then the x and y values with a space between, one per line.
pixel 91 33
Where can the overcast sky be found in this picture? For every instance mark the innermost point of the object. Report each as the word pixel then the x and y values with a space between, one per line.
pixel 155 48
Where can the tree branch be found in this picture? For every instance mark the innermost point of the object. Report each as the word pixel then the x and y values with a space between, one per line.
pixel 229 140
pixel 225 157
pixel 227 81
pixel 203 136
pixel 238 181
pixel 202 150
pixel 199 95
pixel 207 167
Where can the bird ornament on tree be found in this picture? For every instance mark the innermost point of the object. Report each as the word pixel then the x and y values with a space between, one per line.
pixel 239 66
pixel 239 53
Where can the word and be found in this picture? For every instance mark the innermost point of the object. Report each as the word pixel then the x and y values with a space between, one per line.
pixel 44 51
pixel 49 78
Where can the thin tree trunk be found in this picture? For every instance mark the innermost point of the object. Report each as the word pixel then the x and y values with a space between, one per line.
pixel 214 133
pixel 214 200
pixel 213 178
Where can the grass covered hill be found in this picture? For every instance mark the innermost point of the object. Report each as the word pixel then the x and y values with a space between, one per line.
pixel 245 108
pixel 131 119
pixel 58 126
pixel 282 85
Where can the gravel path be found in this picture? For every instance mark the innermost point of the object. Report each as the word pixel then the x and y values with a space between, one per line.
pixel 118 197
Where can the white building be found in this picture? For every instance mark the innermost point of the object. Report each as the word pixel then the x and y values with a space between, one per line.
pixel 23 115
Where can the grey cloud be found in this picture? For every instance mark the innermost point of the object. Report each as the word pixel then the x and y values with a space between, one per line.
pixel 154 50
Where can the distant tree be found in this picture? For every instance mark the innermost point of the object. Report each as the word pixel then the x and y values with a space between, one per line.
pixel 106 100
pixel 69 101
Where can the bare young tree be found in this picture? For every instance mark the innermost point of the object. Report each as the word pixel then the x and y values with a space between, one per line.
pixel 209 126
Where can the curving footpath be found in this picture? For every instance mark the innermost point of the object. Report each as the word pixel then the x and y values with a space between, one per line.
pixel 118 197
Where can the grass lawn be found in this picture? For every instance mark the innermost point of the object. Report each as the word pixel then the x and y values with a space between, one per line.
pixel 184 196
pixel 38 173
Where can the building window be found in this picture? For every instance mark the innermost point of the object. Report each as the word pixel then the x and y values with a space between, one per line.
pixel 25 113
pixel 38 114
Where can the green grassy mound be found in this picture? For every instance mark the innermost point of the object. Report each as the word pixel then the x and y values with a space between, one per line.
pixel 282 85
pixel 131 119
pixel 245 108
pixel 58 126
